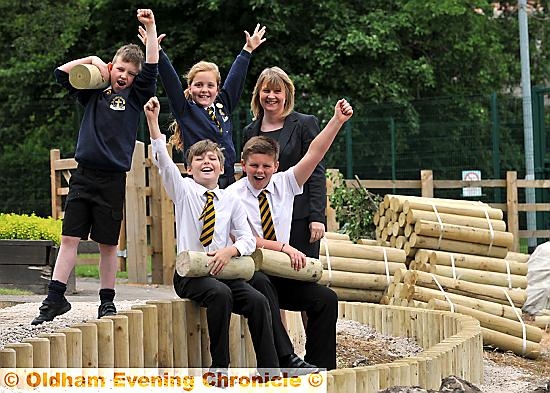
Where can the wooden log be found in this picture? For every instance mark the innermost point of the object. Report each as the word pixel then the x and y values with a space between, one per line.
pixel 361 265
pixel 434 243
pixel 489 321
pixel 542 321
pixel 518 256
pixel 337 236
pixel 358 295
pixel 467 261
pixel 87 76
pixel 463 233
pixel 368 242
pixel 423 294
pixel 23 354
pixel 58 349
pixel 506 342
pixel 377 282
pixel 196 264
pixel 179 332
pixel 414 215
pixel 121 340
pixel 73 340
pixel 235 341
pixel 164 332
pixel 105 343
pixel 481 277
pixel 7 358
pixel 364 252
pixel 278 264
pixel 453 207
pixel 479 291
pixel 397 201
pixel 89 344
pixel 344 380
pixel 150 336
pixel 40 351
pixel 135 337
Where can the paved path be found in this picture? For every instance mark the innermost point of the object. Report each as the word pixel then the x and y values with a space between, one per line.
pixel 87 291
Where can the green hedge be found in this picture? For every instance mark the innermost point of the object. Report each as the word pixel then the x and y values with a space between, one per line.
pixel 29 227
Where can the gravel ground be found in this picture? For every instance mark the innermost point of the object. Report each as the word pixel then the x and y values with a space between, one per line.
pixel 358 345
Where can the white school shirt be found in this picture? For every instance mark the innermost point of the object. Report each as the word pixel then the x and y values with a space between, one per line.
pixel 189 199
pixel 281 190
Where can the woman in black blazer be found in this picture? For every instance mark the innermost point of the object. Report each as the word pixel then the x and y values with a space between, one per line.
pixel 274 116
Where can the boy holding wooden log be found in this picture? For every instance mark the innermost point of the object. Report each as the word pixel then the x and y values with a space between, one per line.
pixel 268 199
pixel 207 217
pixel 106 141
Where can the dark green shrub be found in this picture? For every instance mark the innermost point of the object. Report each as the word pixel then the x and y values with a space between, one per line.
pixel 355 208
pixel 29 227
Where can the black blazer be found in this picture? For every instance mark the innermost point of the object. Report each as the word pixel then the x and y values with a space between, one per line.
pixel 297 133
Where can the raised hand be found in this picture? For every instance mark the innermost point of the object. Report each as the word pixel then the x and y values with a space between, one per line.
pixel 343 111
pixel 255 40
pixel 145 16
pixel 143 36
pixel 152 108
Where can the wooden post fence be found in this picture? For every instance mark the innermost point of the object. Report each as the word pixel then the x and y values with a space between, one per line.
pixel 149 233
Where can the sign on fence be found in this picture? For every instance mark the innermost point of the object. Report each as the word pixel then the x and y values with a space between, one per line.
pixel 471 175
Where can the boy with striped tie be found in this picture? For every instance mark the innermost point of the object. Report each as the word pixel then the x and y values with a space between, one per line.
pixel 268 199
pixel 207 217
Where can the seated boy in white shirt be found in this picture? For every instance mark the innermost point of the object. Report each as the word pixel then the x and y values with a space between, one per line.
pixel 260 162
pixel 220 297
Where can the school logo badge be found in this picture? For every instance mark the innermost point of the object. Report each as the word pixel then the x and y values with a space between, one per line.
pixel 118 103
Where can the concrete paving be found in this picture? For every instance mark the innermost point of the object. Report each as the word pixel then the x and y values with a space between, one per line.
pixel 87 290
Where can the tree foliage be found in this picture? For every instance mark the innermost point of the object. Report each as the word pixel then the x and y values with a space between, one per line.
pixel 372 52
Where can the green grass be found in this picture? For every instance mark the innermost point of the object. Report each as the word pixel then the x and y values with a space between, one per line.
pixel 14 291
pixel 92 271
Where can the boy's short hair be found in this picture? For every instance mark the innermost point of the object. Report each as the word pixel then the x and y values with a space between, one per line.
pixel 205 146
pixel 261 145
pixel 130 53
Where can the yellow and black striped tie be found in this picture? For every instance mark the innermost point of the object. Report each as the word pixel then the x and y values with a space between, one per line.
pixel 265 214
pixel 208 216
pixel 212 115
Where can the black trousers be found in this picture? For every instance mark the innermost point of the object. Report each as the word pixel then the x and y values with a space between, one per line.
pixel 221 297
pixel 299 238
pixel 321 306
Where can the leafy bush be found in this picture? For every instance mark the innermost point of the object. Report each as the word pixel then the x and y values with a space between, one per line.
pixel 29 227
pixel 355 208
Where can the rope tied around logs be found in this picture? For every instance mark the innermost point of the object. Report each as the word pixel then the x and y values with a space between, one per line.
pixel 443 291
pixel 520 319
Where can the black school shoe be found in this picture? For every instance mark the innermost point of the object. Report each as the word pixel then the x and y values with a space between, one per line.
pixel 295 366
pixel 49 310
pixel 107 308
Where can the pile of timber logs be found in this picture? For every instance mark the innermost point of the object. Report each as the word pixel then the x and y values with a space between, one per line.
pixel 411 223
pixel 502 323
pixel 358 272
pixel 459 260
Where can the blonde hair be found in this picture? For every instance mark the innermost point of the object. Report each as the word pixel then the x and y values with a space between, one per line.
pixel 130 53
pixel 176 138
pixel 201 66
pixel 272 78
pixel 205 146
